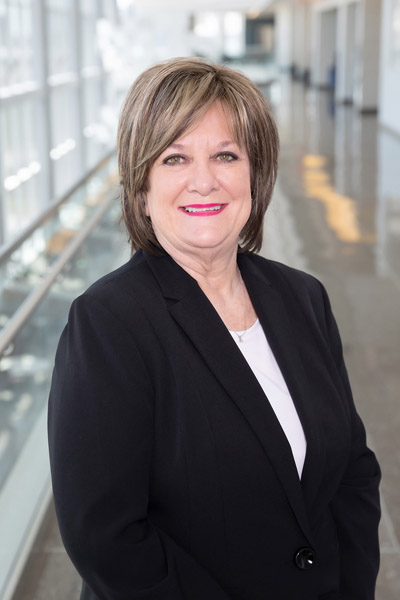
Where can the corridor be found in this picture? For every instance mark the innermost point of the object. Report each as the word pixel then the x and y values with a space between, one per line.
pixel 336 214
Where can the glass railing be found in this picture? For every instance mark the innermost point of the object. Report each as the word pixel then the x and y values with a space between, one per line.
pixel 25 265
pixel 77 244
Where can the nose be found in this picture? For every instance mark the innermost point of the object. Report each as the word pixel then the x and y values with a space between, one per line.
pixel 202 178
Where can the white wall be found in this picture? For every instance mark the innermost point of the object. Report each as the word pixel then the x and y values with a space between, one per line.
pixel 368 32
pixel 323 45
pixel 150 37
pixel 301 38
pixel 284 35
pixel 389 114
pixel 356 27
pixel 345 52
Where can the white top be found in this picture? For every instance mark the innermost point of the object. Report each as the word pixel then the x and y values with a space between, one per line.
pixel 256 350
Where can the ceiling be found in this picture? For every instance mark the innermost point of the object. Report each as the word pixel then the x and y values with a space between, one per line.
pixel 206 5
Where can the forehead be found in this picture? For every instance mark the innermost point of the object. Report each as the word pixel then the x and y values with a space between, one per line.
pixel 215 122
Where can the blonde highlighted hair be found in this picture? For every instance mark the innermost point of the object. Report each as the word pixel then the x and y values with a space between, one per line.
pixel 166 101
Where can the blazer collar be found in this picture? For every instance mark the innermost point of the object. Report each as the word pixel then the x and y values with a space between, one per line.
pixel 191 309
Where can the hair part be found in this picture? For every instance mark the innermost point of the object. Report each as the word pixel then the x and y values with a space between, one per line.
pixel 167 100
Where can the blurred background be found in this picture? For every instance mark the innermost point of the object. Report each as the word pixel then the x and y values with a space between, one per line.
pixel 331 70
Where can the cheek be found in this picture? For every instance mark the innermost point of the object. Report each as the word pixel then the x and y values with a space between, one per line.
pixel 246 191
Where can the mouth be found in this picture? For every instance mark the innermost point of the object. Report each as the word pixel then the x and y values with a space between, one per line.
pixel 202 210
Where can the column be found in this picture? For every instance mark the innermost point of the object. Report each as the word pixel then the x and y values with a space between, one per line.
pixel 323 36
pixel 284 36
pixel 389 99
pixel 345 52
pixel 368 51
pixel 301 41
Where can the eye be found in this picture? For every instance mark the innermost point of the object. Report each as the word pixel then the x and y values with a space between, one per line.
pixel 226 157
pixel 176 159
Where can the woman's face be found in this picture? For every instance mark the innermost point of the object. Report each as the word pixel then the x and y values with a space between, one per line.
pixel 199 195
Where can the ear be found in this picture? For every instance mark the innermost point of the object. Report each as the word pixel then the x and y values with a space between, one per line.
pixel 145 205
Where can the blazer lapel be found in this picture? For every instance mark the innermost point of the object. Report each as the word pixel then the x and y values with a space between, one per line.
pixel 191 309
pixel 283 326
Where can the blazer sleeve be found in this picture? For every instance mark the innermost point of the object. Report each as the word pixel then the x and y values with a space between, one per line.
pixel 355 506
pixel 100 440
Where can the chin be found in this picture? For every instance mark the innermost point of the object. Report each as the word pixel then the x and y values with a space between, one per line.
pixel 206 241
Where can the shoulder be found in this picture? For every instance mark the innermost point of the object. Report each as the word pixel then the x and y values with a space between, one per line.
pixel 128 282
pixel 282 276
pixel 120 296
pixel 300 293
pixel 127 277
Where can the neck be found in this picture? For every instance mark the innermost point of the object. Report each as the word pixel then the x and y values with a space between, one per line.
pixel 213 270
pixel 219 277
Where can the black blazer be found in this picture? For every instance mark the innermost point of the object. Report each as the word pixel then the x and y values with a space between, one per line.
pixel 173 478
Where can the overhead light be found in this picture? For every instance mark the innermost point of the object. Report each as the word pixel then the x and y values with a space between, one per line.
pixel 24 174
pixel 62 149
pixel 34 167
pixel 89 131
pixel 12 182
pixel 55 153
pixel 254 13
pixel 124 4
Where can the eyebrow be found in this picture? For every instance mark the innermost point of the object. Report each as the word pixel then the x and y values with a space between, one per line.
pixel 220 146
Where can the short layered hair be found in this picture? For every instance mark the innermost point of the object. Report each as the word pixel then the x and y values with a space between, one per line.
pixel 166 101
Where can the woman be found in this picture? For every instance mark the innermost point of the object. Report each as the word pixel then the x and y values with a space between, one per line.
pixel 203 438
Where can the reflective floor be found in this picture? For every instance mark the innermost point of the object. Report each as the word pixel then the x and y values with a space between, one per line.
pixel 335 213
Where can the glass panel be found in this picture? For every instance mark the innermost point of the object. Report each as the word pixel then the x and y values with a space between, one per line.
pixel 89 42
pixel 24 384
pixel 96 132
pixel 25 374
pixel 16 43
pixel 108 9
pixel 4 43
pixel 88 7
pixel 26 42
pixel 14 40
pixel 61 44
pixel 64 138
pixel 21 167
pixel 27 266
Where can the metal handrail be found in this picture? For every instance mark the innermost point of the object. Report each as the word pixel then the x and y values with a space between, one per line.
pixel 22 314
pixel 8 249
